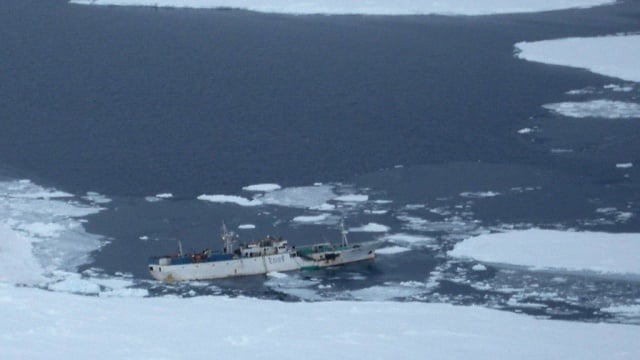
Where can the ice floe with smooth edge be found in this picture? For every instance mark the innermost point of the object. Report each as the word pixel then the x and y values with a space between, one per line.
pixel 370 227
pixel 299 197
pixel 352 198
pixel 624 165
pixel 408 239
pixel 371 7
pixel 599 252
pixel 615 56
pixel 310 219
pixel 262 187
pixel 43 324
pixel 607 109
pixel 239 200
pixel 524 131
pixel 315 197
pixel 246 226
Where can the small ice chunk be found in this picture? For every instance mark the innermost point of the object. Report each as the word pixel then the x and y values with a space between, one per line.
pixel 624 165
pixel 352 198
pixel 371 227
pixel 311 218
pixel 246 226
pixel 525 131
pixel 262 187
pixel 479 194
pixel 479 267
pixel 239 200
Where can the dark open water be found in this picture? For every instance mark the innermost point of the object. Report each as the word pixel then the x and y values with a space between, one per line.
pixel 131 102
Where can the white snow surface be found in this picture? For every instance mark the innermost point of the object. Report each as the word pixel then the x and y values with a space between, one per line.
pixel 599 252
pixel 369 7
pixel 607 109
pixel 615 56
pixel 39 324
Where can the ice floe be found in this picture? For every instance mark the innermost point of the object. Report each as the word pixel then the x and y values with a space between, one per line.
pixel 309 219
pixel 615 56
pixel 371 7
pixel 479 194
pixel 608 109
pixel 41 231
pixel 299 197
pixel 164 195
pixel 262 187
pixel 599 252
pixel 352 198
pixel 370 227
pixel 524 131
pixel 624 165
pixel 239 200
pixel 409 239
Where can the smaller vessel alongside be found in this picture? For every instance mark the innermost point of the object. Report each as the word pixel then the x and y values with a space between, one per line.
pixel 261 257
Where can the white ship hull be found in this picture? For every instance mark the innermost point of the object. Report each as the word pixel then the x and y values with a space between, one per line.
pixel 165 269
pixel 242 266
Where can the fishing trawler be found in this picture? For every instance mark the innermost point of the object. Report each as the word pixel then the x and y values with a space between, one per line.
pixel 267 255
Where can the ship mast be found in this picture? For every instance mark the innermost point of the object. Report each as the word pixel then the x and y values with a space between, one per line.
pixel 228 237
pixel 344 232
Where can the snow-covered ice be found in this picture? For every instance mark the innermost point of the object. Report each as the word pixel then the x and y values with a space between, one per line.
pixel 524 131
pixel 246 226
pixel 38 324
pixel 370 227
pixel 352 198
pixel 239 200
pixel 309 219
pixel 608 109
pixel 599 252
pixel 408 239
pixel 624 165
pixel 299 197
pixel 370 7
pixel 615 56
pixel 41 230
pixel 262 187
